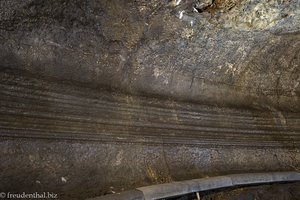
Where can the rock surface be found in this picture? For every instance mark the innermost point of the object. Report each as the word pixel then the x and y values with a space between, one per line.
pixel 241 53
pixel 100 96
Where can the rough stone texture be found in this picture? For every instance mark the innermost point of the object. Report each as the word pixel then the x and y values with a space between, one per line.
pixel 92 168
pixel 119 93
pixel 124 44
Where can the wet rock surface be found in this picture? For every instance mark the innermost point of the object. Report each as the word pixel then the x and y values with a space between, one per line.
pixel 103 96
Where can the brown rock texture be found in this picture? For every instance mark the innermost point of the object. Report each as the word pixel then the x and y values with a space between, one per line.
pixel 100 96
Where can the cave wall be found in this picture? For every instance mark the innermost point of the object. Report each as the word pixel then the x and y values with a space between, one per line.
pixel 103 96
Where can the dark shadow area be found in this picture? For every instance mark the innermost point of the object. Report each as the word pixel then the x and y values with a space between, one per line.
pixel 278 191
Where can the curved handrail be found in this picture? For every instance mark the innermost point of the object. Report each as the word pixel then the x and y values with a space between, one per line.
pixel 197 185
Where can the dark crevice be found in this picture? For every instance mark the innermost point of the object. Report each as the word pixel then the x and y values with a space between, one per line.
pixel 204 8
